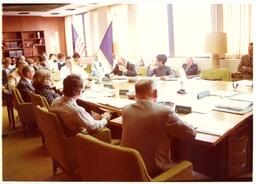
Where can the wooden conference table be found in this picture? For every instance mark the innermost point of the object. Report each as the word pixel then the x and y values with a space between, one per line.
pixel 222 148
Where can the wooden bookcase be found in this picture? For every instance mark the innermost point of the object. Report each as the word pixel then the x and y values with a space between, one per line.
pixel 27 43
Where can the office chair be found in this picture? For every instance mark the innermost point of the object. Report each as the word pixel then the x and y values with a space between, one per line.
pixel 100 161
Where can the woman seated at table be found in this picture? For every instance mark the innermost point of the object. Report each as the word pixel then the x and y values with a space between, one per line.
pixel 160 69
pixel 42 82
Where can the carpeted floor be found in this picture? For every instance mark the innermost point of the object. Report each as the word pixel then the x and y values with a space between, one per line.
pixel 25 159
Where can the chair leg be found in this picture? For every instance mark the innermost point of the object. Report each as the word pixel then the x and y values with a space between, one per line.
pixel 24 130
pixel 55 167
pixel 42 137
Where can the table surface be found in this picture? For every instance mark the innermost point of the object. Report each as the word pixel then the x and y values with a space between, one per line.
pixel 212 126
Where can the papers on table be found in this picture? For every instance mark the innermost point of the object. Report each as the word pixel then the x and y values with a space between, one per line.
pixel 248 97
pixel 222 93
pixel 233 106
pixel 206 125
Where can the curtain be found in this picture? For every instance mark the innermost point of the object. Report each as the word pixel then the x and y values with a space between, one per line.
pixel 237 21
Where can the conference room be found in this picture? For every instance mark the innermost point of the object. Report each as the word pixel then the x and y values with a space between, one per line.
pixel 145 91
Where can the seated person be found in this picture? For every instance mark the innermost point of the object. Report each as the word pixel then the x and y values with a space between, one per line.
pixel 25 84
pixel 246 65
pixel 160 69
pixel 124 67
pixel 60 61
pixel 7 68
pixel 71 68
pixel 76 58
pixel 15 76
pixel 74 116
pixel 190 67
pixel 147 127
pixel 97 67
pixel 42 82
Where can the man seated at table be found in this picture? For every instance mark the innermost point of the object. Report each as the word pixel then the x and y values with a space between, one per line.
pixel 148 126
pixel 72 115
pixel 246 65
pixel 190 67
pixel 160 69
pixel 25 84
pixel 124 67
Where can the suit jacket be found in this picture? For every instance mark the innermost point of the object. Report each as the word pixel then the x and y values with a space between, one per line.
pixel 248 62
pixel 192 70
pixel 130 67
pixel 25 89
pixel 147 127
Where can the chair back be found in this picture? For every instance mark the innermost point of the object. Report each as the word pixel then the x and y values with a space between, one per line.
pixel 100 161
pixel 38 100
pixel 219 74
pixel 60 147
pixel 17 97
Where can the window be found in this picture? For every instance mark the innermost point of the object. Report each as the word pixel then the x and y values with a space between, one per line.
pixel 191 23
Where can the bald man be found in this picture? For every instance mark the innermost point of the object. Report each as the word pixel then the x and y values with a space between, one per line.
pixel 124 67
pixel 148 127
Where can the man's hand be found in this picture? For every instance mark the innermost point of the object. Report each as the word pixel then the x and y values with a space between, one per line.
pixel 95 115
pixel 122 68
pixel 106 115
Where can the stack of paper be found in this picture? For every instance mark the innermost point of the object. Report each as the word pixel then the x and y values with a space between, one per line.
pixel 233 106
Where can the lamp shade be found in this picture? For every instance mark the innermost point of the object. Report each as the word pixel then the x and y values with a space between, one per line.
pixel 216 43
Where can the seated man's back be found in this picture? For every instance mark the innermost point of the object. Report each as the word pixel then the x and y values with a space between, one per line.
pixel 148 126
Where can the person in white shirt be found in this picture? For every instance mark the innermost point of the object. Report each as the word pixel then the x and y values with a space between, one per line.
pixel 97 67
pixel 72 115
pixel 71 68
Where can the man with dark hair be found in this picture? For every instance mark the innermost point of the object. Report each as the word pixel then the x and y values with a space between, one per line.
pixel 246 65
pixel 160 68
pixel 61 60
pixel 72 115
pixel 148 126
pixel 25 84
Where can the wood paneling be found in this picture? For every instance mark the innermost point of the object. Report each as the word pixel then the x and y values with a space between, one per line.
pixel 53 27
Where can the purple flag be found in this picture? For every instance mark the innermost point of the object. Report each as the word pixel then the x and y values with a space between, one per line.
pixel 78 43
pixel 106 45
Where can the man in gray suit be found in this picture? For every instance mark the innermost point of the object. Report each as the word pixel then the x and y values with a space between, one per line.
pixel 148 126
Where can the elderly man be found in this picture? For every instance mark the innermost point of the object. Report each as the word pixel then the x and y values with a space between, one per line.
pixel 25 84
pixel 246 65
pixel 148 126
pixel 74 116
pixel 124 68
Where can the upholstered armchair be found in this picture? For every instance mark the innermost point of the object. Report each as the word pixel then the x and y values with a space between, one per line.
pixel 24 110
pixel 221 74
pixel 100 161
pixel 61 147
pixel 42 102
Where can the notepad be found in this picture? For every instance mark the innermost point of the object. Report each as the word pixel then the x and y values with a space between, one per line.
pixel 233 106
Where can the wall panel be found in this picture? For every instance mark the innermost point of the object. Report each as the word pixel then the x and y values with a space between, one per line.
pixel 53 28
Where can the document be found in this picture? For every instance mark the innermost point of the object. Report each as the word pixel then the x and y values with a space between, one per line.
pixel 223 93
pixel 234 106
pixel 248 97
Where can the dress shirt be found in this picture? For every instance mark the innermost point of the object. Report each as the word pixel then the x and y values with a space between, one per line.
pixel 75 116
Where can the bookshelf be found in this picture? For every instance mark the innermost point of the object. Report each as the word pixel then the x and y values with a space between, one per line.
pixel 27 43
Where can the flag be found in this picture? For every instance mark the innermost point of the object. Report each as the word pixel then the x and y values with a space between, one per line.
pixel 106 45
pixel 78 44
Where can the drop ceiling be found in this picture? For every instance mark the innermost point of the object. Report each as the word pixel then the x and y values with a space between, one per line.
pixel 48 10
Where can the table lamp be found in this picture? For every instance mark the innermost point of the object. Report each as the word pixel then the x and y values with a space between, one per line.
pixel 216 43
